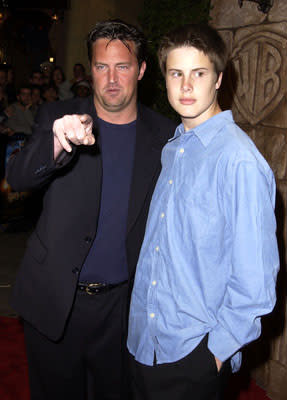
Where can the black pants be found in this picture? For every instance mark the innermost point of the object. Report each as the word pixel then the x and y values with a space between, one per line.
pixel 195 377
pixel 87 363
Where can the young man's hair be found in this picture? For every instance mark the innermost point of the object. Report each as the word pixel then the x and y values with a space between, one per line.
pixel 200 36
pixel 118 30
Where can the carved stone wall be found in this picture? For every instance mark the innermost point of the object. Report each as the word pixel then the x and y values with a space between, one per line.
pixel 255 87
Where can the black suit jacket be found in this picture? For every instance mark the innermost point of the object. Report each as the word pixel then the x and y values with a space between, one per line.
pixel 46 283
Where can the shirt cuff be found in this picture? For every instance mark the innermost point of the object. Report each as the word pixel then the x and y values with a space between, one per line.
pixel 221 343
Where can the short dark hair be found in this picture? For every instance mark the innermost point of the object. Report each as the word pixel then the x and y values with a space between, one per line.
pixel 201 36
pixel 23 86
pixel 118 30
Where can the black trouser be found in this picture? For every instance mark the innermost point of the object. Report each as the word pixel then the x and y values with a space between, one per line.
pixel 87 362
pixel 195 377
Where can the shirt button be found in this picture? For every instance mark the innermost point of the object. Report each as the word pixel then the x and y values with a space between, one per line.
pixel 152 315
pixel 157 248
pixel 181 150
pixel 153 283
pixel 162 215
pixel 88 239
pixel 170 181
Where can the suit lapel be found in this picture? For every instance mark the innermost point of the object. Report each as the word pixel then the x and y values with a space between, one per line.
pixel 146 164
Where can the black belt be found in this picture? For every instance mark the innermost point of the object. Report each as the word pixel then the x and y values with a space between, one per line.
pixel 98 288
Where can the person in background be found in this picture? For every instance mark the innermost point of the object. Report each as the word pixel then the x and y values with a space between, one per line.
pixel 82 89
pixel 20 119
pixel 6 84
pixel 10 86
pixel 97 159
pixel 36 99
pixel 50 93
pixel 79 73
pixel 63 86
pixel 208 264
pixel 36 78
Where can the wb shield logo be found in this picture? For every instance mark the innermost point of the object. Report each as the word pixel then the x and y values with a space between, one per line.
pixel 259 61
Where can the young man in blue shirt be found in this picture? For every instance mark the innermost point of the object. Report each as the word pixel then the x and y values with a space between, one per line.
pixel 209 260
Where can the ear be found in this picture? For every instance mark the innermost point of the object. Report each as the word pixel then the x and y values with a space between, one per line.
pixel 219 80
pixel 142 70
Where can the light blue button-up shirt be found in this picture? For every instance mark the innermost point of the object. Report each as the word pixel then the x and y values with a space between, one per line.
pixel 209 260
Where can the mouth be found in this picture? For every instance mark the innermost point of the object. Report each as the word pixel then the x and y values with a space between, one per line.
pixel 113 90
pixel 187 102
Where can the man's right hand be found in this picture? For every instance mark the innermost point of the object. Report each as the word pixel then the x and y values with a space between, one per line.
pixel 76 129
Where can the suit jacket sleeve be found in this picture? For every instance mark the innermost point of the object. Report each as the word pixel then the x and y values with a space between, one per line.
pixel 34 165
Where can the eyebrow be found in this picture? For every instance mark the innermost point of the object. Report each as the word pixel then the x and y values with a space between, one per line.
pixel 119 63
pixel 194 69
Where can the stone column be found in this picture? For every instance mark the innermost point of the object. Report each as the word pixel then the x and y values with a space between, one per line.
pixel 256 89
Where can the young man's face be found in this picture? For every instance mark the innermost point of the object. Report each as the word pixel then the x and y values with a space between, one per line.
pixel 192 85
pixel 115 74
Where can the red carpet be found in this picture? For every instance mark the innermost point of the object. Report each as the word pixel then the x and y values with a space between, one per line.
pixel 14 373
pixel 13 363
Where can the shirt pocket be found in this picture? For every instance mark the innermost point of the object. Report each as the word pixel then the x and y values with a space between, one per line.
pixel 198 210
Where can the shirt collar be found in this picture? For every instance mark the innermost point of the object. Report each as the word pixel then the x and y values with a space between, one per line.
pixel 208 129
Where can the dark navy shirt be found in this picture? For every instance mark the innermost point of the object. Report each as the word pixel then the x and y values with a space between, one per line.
pixel 106 261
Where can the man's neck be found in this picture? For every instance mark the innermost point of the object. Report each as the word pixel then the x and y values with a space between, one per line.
pixel 121 117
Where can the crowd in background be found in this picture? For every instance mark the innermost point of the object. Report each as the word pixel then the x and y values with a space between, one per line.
pixel 19 105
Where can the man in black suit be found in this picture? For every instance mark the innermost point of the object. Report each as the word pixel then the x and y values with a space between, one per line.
pixel 97 160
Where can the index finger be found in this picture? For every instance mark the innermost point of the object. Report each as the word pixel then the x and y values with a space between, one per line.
pixel 86 119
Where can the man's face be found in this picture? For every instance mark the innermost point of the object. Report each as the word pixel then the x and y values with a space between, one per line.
pixel 37 79
pixel 115 74
pixel 24 97
pixel 192 85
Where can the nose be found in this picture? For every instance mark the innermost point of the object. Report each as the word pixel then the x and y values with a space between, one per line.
pixel 113 75
pixel 186 85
